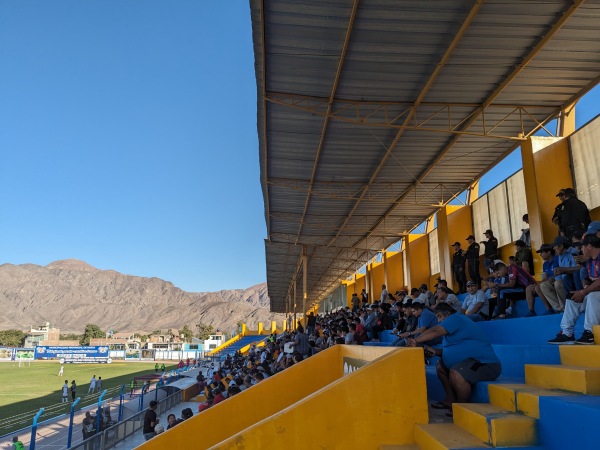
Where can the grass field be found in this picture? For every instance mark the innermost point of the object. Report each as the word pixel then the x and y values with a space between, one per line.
pixel 26 389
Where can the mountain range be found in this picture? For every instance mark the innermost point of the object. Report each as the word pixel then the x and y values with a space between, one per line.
pixel 71 293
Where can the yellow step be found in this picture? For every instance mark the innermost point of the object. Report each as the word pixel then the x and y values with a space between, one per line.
pixel 580 355
pixel 399 447
pixel 596 331
pixel 446 436
pixel 520 398
pixel 495 426
pixel 570 378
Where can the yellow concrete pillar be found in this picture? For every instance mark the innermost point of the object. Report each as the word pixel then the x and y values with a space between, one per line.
pixel 260 327
pixel 567 121
pixel 385 269
pixel 295 320
pixel 444 246
pixel 406 258
pixel 368 279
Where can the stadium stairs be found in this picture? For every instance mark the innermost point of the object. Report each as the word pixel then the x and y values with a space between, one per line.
pixel 546 398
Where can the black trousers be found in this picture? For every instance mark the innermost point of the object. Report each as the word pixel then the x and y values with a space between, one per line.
pixel 461 278
pixel 473 265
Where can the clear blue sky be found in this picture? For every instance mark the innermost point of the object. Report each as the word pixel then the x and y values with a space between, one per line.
pixel 128 139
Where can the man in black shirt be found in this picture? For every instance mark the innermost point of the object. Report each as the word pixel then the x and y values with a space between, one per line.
pixel 458 267
pixel 150 420
pixel 572 215
pixel 491 250
pixel 472 255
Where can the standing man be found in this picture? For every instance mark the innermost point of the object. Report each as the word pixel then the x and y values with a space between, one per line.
pixel 92 385
pixel 472 255
pixel 364 297
pixel 458 267
pixel 491 250
pixel 62 370
pixel 384 294
pixel 17 444
pixel 150 421
pixel 65 392
pixel 73 390
pixel 311 323
pixel 355 302
pixel 99 384
pixel 572 215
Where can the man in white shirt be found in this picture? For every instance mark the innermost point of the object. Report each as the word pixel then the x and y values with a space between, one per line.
pixel 384 294
pixel 444 295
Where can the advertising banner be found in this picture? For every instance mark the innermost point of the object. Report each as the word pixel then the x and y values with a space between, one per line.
pixel 6 354
pixel 78 355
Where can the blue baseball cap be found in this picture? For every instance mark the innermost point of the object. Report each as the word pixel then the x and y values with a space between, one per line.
pixel 593 227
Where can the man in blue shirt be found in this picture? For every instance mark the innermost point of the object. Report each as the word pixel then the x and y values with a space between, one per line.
pixel 557 287
pixel 550 263
pixel 426 320
pixel 466 356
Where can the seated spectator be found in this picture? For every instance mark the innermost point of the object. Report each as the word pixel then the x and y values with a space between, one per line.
pixel 445 295
pixel 467 357
pixel 426 320
pixel 369 320
pixel 384 321
pixel 587 299
pixel 425 296
pixel 218 396
pixel 523 256
pixel 475 305
pixel 172 421
pixel 516 280
pixel 561 283
pixel 550 263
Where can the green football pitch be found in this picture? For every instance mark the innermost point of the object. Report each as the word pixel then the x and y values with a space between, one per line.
pixel 26 389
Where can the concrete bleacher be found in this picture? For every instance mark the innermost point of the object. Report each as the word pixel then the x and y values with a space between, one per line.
pixel 244 341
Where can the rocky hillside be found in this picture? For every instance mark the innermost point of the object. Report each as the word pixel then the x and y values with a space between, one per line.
pixel 71 293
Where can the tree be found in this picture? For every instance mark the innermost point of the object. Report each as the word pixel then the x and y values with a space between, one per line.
pixel 91 331
pixel 204 331
pixel 12 338
pixel 187 333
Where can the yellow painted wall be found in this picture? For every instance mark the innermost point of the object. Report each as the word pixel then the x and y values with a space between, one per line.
pixel 419 260
pixel 595 214
pixel 395 276
pixel 357 411
pixel 253 405
pixel 460 225
pixel 377 270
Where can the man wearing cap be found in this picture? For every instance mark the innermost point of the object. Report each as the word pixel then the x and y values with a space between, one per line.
pixel 546 252
pixel 491 250
pixel 523 256
pixel 571 214
pixel 458 267
pixel 475 305
pixel 472 255
pixel 586 299
pixel 557 287
pixel 594 228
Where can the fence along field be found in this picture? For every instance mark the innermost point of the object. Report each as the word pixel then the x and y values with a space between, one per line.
pixel 26 389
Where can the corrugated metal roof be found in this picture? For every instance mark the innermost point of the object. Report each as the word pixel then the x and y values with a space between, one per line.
pixel 372 113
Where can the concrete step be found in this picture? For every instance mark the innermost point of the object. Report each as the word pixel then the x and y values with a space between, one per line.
pixel 580 355
pixel 495 426
pixel 521 398
pixel 569 378
pixel 446 436
pixel 569 422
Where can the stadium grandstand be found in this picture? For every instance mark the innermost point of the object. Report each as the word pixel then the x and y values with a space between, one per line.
pixel 377 120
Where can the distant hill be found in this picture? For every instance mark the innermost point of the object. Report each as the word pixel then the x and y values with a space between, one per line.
pixel 71 293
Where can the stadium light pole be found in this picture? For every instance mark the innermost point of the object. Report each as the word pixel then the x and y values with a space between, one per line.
pixel 34 429
pixel 71 421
